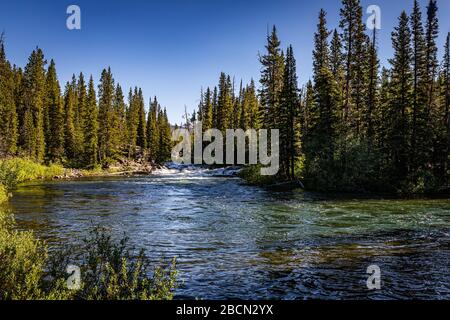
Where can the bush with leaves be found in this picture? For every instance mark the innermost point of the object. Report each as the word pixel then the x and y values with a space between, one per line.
pixel 109 270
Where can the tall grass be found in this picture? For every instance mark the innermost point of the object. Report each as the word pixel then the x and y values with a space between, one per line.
pixel 18 170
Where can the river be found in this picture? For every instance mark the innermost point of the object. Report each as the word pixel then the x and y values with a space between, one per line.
pixel 233 241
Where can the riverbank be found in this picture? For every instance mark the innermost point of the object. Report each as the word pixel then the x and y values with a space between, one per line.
pixel 14 171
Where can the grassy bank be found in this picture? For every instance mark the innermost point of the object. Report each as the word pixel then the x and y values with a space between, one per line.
pixel 109 270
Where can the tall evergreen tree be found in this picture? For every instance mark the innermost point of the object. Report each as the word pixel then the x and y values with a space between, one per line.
pixel 141 129
pixel 432 32
pixel 372 90
pixel 225 103
pixel 289 108
pixel 208 110
pixel 271 80
pixel 8 111
pixel 91 127
pixel 401 99
pixel 106 113
pixel 55 117
pixel 420 126
pixel 320 145
pixel 32 108
pixel 119 135
pixel 70 137
pixel 354 40
pixel 152 129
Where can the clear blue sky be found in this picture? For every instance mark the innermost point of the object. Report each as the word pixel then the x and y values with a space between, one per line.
pixel 172 48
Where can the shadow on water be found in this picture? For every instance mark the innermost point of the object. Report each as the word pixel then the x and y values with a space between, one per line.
pixel 236 241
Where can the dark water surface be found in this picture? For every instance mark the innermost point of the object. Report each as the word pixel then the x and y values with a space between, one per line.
pixel 235 241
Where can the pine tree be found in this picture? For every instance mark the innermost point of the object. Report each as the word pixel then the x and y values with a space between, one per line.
pixel 207 117
pixel 432 32
pixel 8 111
pixel 119 127
pixel 354 40
pixel 401 99
pixel 106 113
pixel 337 64
pixel 165 137
pixel 289 107
pixel 420 126
pixel 306 109
pixel 372 90
pixel 55 117
pixel 320 143
pixel 141 129
pixel 215 103
pixel 152 129
pixel 252 107
pixel 32 108
pixel 70 139
pixel 91 127
pixel 271 80
pixel 132 122
pixel 225 103
pixel 446 110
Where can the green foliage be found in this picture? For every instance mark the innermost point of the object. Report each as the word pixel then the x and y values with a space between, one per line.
pixel 31 109
pixel 252 175
pixel 3 193
pixel 8 110
pixel 109 270
pixel 114 271
pixel 15 171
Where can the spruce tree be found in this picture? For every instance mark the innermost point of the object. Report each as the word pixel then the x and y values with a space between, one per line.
pixel 91 127
pixel 225 103
pixel 420 125
pixel 432 32
pixel 207 117
pixel 32 108
pixel 141 129
pixel 70 137
pixel 119 126
pixel 132 122
pixel 337 63
pixel 401 100
pixel 354 40
pixel 106 113
pixel 55 117
pixel 320 145
pixel 271 80
pixel 152 129
pixel 252 106
pixel 8 111
pixel 289 108
pixel 373 65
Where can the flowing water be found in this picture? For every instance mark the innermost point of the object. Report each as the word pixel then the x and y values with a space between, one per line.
pixel 233 241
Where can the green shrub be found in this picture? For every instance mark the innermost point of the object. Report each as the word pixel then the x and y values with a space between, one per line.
pixel 3 194
pixel 17 170
pixel 114 271
pixel 22 261
pixel 252 175
pixel 109 270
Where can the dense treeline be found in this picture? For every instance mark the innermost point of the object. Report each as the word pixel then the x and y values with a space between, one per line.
pixel 78 127
pixel 353 127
